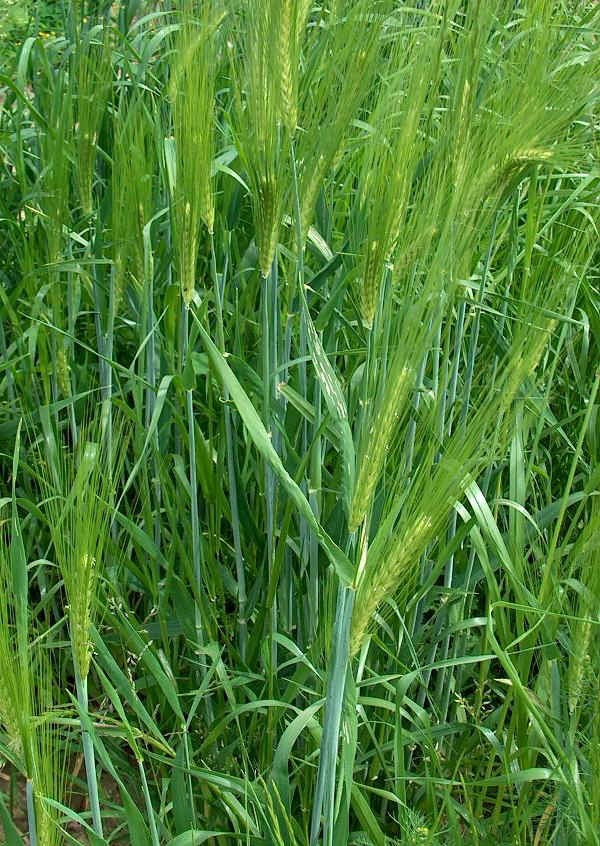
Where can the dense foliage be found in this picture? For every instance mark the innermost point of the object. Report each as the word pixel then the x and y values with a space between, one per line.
pixel 299 432
pixel 21 18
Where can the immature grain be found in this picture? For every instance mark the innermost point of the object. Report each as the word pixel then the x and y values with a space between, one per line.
pixel 286 54
pixel 188 253
pixel 11 708
pixel 192 91
pixel 371 280
pixel 63 371
pixel 9 715
pixel 377 440
pixel 587 612
pixel 310 190
pixel 267 220
pixel 580 662
pixel 94 72
pixel 397 571
pixel 45 825
pixel 526 358
pixel 304 10
pixel 81 613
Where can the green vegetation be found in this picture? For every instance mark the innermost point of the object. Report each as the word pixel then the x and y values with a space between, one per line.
pixel 22 18
pixel 299 430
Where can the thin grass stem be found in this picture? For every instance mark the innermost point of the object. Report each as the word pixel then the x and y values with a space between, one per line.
pixel 88 753
pixel 197 550
pixel 148 802
pixel 233 496
pixel 31 820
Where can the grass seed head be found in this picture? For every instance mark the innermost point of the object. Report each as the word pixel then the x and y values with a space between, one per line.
pixel 192 91
pixel 395 574
pixel 79 507
pixel 287 56
pixel 377 440
pixel 94 77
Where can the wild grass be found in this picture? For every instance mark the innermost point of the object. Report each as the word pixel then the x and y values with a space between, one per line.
pixel 300 338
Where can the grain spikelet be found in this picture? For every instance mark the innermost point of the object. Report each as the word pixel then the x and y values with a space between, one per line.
pixel 192 92
pixel 587 611
pixel 133 163
pixel 13 697
pixel 335 98
pixel 265 117
pixel 79 514
pixel 377 442
pixel 94 72
pixel 63 371
pixel 81 614
pixel 310 191
pixel 287 50
pixel 400 567
pixel 373 266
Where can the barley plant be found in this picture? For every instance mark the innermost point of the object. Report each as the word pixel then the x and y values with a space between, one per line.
pixel 299 423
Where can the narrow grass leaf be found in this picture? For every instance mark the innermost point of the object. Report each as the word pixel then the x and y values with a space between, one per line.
pixel 262 441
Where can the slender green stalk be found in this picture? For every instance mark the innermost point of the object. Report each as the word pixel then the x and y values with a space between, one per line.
pixel 148 802
pixel 197 546
pixel 151 375
pixel 338 667
pixel 188 764
pixel 309 546
pixel 219 292
pixel 88 751
pixel 31 820
pixel 269 359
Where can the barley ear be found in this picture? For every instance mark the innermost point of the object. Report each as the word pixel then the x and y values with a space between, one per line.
pixel 286 56
pixel 372 270
pixel 377 439
pixel 192 92
pixel 588 611
pixel 14 682
pixel 396 573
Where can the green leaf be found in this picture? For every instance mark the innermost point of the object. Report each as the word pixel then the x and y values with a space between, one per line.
pixel 188 377
pixel 95 839
pixel 160 401
pixel 335 401
pixel 19 560
pixel 283 752
pixel 182 811
pixel 261 439
pixel 194 838
pixel 143 650
pixel 138 831
pixel 366 817
pixel 11 835
pixel 125 687
pixel 142 540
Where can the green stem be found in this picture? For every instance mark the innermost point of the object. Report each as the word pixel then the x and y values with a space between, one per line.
pixel 31 824
pixel 151 378
pixel 443 685
pixel 88 754
pixel 269 341
pixel 188 766
pixel 196 538
pixel 233 497
pixel 308 544
pixel 149 808
pixel 72 317
pixel 339 666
